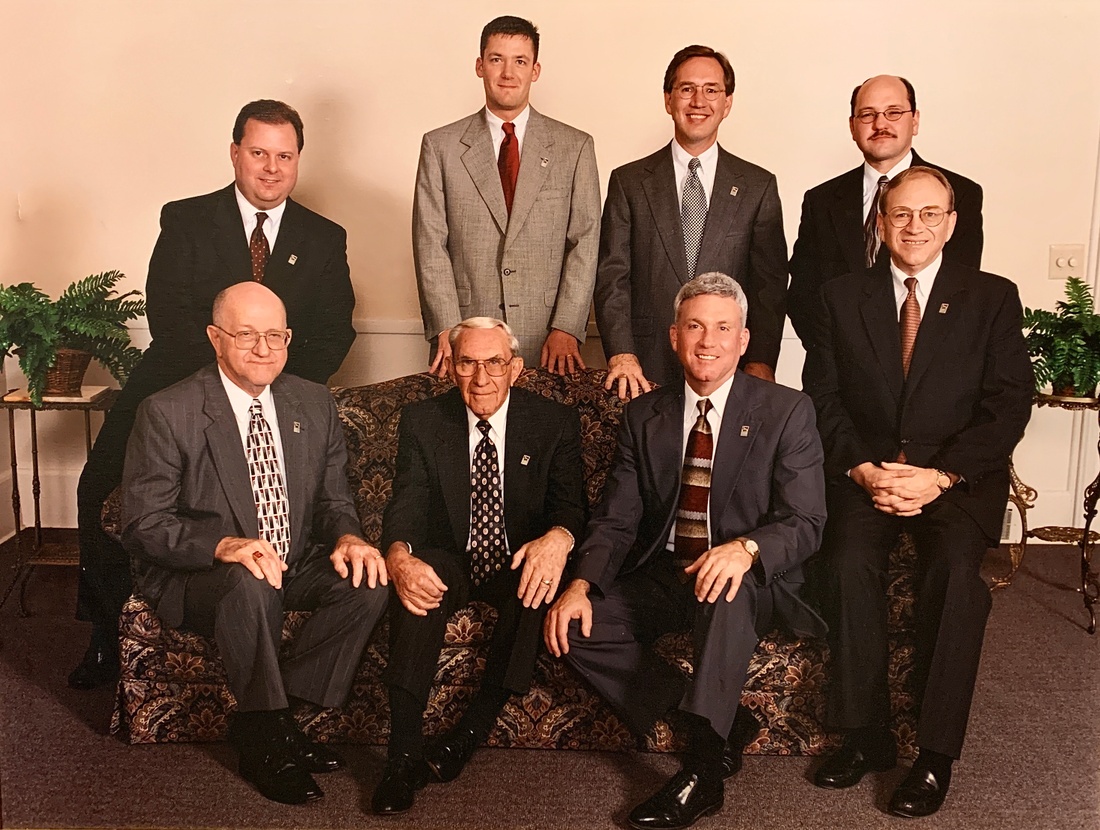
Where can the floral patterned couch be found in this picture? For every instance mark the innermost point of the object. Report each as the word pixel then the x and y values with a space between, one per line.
pixel 173 688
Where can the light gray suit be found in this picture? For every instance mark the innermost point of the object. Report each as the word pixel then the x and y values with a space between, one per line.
pixel 535 270
pixel 186 487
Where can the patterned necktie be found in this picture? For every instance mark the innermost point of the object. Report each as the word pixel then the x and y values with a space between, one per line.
pixel 692 539
pixel 488 546
pixel 871 241
pixel 908 325
pixel 272 509
pixel 258 248
pixel 693 214
pixel 508 163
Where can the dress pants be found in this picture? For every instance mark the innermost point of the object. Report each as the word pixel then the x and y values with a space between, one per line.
pixel 952 606
pixel 618 659
pixel 415 642
pixel 244 615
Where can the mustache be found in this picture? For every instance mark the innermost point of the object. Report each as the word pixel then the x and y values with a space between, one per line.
pixel 884 134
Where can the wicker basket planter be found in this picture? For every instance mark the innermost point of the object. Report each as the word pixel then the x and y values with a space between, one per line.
pixel 66 376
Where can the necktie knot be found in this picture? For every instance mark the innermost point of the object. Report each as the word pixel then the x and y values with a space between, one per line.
pixel 509 129
pixel 704 407
pixel 483 425
pixel 257 408
pixel 260 219
pixel 911 284
pixel 694 165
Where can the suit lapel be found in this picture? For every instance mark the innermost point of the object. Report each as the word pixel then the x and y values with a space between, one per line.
pixel 481 164
pixel 948 293
pixel 229 240
pixel 725 204
pixel 290 243
pixel 740 426
pixel 453 462
pixel 846 214
pixel 223 438
pixel 534 167
pixel 878 308
pixel 523 442
pixel 663 453
pixel 664 205
pixel 289 412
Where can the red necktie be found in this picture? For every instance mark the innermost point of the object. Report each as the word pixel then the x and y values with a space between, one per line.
pixel 508 163
pixel 257 247
pixel 908 325
pixel 691 539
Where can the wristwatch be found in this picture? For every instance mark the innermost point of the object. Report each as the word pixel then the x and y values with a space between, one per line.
pixel 751 547
pixel 941 475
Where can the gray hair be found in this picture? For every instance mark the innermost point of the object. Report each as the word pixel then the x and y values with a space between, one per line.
pixel 484 323
pixel 716 283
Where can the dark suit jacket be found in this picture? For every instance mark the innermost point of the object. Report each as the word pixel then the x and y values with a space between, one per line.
pixel 202 249
pixel 543 473
pixel 965 403
pixel 830 237
pixel 186 483
pixel 642 262
pixel 767 485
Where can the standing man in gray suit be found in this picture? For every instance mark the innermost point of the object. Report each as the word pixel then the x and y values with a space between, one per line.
pixel 506 217
pixel 236 507
pixel 689 208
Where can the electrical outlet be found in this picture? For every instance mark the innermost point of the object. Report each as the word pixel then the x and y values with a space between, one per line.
pixel 1066 261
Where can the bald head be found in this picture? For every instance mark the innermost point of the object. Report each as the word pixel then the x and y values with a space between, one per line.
pixel 884 142
pixel 244 309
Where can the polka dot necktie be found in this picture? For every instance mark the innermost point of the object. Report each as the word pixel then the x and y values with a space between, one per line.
pixel 693 214
pixel 258 248
pixel 272 509
pixel 692 539
pixel 488 545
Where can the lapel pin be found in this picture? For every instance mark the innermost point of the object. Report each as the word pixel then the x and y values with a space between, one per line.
pixel 733 190
pixel 943 308
pixel 744 430
pixel 543 161
pixel 525 460
pixel 293 259
pixel 297 426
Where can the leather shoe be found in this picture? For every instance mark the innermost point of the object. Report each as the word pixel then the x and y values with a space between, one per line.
pixel 745 728
pixel 310 755
pixel 845 767
pixel 686 798
pixel 447 756
pixel 401 778
pixel 99 666
pixel 919 794
pixel 271 768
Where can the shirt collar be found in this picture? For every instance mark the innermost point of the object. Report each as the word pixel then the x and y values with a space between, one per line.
pixel 708 159
pixel 241 401
pixel 871 175
pixel 520 121
pixel 497 421
pixel 926 277
pixel 249 211
pixel 717 399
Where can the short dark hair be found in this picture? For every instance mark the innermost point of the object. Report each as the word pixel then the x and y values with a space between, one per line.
pixel 511 27
pixel 269 112
pixel 911 173
pixel 696 51
pixel 912 93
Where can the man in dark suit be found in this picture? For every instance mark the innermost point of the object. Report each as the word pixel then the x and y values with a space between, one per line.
pixel 689 208
pixel 206 244
pixel 837 232
pixel 236 507
pixel 715 501
pixel 918 429
pixel 487 500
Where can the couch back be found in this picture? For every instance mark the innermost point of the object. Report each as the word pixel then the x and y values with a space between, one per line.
pixel 370 415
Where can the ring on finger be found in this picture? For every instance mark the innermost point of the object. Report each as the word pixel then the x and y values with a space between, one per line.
pixel 547 582
pixel 257 555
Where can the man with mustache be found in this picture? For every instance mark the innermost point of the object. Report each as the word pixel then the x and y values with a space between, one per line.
pixel 837 235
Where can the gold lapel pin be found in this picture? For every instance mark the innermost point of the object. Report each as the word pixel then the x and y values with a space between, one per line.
pixel 733 190
pixel 297 426
pixel 293 259
pixel 943 308
pixel 525 460
pixel 745 431
pixel 544 161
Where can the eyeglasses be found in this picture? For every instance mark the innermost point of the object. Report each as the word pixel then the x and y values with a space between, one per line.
pixel 496 367
pixel 276 339
pixel 931 216
pixel 889 115
pixel 711 92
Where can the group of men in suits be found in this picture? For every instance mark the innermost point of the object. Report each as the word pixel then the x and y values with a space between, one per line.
pixel 235 507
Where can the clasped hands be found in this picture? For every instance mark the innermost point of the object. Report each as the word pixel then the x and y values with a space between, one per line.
pixel 898 489
pixel 263 561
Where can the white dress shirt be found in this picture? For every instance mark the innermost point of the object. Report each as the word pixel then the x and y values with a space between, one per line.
pixel 871 177
pixel 926 278
pixel 241 402
pixel 498 426
pixel 248 217
pixel 496 129
pixel 708 166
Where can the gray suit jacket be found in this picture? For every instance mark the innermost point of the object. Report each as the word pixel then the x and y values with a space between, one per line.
pixel 643 264
pixel 535 269
pixel 186 483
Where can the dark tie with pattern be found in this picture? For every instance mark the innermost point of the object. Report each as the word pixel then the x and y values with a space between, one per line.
pixel 693 214
pixel 258 248
pixel 508 163
pixel 272 510
pixel 488 545
pixel 908 325
pixel 871 242
pixel 692 540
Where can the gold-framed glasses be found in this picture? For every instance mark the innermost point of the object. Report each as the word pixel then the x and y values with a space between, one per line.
pixel 496 367
pixel 276 339
pixel 930 216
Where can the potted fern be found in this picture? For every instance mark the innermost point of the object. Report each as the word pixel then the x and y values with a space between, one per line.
pixel 55 341
pixel 1065 344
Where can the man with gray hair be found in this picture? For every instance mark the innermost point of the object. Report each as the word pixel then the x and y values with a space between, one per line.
pixel 716 499
pixel 487 501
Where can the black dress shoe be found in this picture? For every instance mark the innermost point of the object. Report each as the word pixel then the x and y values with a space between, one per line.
pixel 401 778
pixel 98 667
pixel 448 755
pixel 919 794
pixel 271 768
pixel 686 798
pixel 310 755
pixel 745 728
pixel 845 767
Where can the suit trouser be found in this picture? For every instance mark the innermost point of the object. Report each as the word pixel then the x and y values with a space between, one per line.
pixel 952 606
pixel 415 642
pixel 619 662
pixel 244 615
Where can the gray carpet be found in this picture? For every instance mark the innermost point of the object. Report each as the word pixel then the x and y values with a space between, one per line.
pixel 1032 758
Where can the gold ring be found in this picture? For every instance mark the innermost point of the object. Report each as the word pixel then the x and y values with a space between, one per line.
pixel 548 582
pixel 257 555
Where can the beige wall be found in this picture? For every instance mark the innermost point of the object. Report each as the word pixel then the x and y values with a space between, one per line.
pixel 118 106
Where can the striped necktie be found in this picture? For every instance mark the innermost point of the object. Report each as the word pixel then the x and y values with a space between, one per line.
pixel 692 539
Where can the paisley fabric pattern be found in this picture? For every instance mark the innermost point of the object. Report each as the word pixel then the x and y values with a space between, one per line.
pixel 172 686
